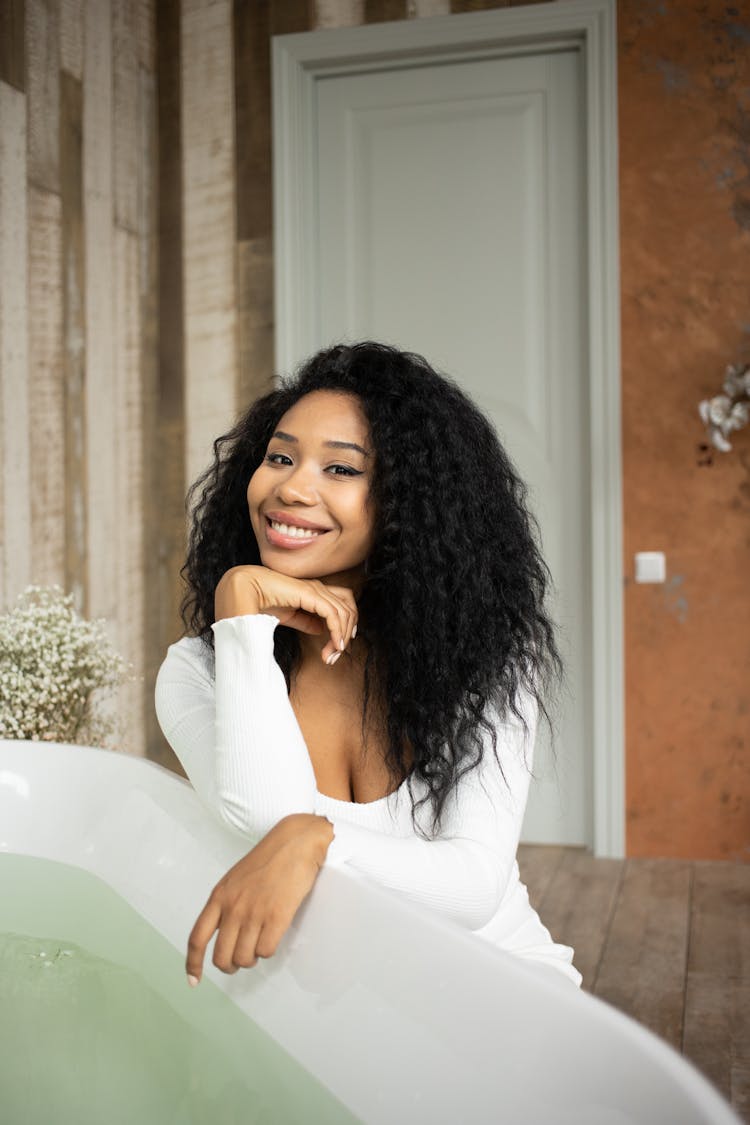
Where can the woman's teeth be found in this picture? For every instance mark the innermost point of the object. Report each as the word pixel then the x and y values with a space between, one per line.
pixel 294 532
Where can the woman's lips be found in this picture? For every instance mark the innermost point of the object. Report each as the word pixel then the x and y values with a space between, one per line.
pixel 280 516
pixel 289 539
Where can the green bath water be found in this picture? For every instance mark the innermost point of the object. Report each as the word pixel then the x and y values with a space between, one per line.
pixel 99 1027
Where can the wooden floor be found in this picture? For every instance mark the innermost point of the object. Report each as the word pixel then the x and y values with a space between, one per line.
pixel 667 941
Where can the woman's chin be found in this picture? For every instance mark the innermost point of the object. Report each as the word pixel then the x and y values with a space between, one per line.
pixel 292 565
pixel 332 574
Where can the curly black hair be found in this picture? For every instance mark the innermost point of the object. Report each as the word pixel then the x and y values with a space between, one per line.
pixel 456 570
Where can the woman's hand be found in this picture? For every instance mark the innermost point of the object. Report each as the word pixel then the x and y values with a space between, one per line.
pixel 305 604
pixel 254 904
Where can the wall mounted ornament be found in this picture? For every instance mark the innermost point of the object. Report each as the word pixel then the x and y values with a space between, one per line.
pixel 727 412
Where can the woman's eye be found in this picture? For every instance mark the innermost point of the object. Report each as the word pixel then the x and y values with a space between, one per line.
pixel 334 470
pixel 343 471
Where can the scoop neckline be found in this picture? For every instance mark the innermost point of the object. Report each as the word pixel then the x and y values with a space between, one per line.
pixel 362 804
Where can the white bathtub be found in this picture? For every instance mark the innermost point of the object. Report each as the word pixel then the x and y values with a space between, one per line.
pixel 402 1016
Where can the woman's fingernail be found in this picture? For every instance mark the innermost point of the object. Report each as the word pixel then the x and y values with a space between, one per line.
pixel 333 658
pixel 193 981
pixel 342 646
pixel 354 632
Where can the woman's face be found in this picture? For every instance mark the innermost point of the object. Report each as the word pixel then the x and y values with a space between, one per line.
pixel 309 497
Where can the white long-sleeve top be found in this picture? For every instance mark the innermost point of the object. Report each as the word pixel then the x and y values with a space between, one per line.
pixel 226 714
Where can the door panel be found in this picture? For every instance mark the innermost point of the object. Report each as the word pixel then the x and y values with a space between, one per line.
pixel 450 222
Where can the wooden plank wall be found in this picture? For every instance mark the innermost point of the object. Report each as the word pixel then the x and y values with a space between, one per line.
pixel 166 475
pixel 45 294
pixel 78 313
pixel 136 288
pixel 209 226
pixel 15 526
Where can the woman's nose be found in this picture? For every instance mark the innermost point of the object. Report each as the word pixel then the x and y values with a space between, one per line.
pixel 297 487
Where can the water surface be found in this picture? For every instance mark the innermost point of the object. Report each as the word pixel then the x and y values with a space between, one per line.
pixel 98 1026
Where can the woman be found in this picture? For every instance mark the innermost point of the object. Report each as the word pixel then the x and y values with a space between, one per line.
pixel 369 654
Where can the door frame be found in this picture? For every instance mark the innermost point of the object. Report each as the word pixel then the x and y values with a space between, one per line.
pixel 589 26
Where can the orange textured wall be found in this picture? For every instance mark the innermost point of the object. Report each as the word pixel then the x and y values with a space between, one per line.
pixel 684 97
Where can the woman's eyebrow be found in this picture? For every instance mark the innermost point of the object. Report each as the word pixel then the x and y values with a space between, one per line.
pixel 347 445
pixel 331 444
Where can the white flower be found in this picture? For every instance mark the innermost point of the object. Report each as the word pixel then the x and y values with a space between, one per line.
pixel 718 409
pixel 51 663
pixel 739 415
pixel 729 411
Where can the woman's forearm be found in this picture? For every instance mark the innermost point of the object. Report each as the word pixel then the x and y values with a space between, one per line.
pixel 263 769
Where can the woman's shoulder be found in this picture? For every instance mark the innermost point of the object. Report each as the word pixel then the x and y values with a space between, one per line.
pixel 514 734
pixel 524 712
pixel 192 644
pixel 195 652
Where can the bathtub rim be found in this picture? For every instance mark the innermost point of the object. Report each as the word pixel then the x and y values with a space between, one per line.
pixel 223 846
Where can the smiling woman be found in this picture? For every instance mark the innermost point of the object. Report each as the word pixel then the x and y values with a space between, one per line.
pixel 367 654
pixel 310 494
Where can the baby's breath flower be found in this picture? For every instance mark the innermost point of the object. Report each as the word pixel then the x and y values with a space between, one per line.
pixel 727 412
pixel 52 661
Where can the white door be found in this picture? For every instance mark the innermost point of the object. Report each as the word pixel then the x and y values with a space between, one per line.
pixel 450 219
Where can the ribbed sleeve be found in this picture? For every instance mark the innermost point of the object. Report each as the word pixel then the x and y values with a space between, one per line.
pixel 184 703
pixel 263 769
pixel 233 728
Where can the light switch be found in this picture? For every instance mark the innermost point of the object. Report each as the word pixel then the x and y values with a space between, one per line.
pixel 650 566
